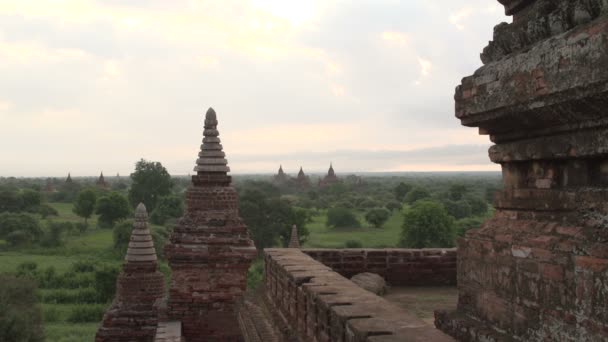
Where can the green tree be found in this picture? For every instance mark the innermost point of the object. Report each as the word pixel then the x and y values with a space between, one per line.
pixel 342 218
pixel 105 282
pixel 121 234
pixel 401 190
pixel 111 208
pixel 270 219
pixel 458 209
pixel 20 313
pixel 457 191
pixel 85 204
pixel 377 216
pixel 151 181
pixel 478 205
pixel 416 194
pixel 166 208
pixel 427 224
pixel 393 205
pixel 10 200
pixel 19 229
pixel 463 225
pixel 31 200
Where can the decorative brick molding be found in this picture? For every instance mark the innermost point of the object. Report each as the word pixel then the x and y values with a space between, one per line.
pixel 400 267
pixel 321 305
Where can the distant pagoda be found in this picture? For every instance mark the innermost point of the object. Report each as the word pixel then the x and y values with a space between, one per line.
pixel 49 186
pixel 281 177
pixel 210 250
pixel 101 182
pixel 302 181
pixel 330 178
pixel 140 288
pixel 69 179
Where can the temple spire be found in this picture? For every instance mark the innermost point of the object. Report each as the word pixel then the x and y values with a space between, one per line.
pixel 141 246
pixel 294 241
pixel 211 157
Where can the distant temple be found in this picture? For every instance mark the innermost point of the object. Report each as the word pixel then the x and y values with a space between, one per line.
pixel 101 183
pixel 281 177
pixel 302 181
pixel 69 179
pixel 329 179
pixel 50 186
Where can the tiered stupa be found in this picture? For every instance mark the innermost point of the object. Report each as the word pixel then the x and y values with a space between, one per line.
pixel 209 250
pixel 302 181
pixel 140 289
pixel 294 241
pixel 330 178
pixel 101 183
pixel 281 177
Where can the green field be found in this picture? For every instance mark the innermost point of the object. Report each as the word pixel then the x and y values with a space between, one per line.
pixel 94 244
pixel 322 236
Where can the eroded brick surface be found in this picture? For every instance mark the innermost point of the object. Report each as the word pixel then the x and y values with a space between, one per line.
pixel 537 270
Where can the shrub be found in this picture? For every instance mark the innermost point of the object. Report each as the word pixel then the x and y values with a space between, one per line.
pixel 19 229
pixel 105 282
pixel 255 274
pixel 353 244
pixel 20 313
pixel 46 210
pixel 53 236
pixel 341 218
pixel 377 217
pixel 112 208
pixel 121 234
pixel 427 224
pixel 86 313
pixel 85 265
pixel 393 205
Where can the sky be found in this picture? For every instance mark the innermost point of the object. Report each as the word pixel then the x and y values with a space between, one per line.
pixel 95 85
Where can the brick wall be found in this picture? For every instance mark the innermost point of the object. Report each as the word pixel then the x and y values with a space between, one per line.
pixel 320 305
pixel 401 267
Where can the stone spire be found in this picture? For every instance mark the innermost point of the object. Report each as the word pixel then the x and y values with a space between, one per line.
pixel 301 173
pixel 140 288
pixel 209 251
pixel 294 241
pixel 280 177
pixel 69 179
pixel 101 182
pixel 330 178
pixel 302 181
pixel 331 172
pixel 211 157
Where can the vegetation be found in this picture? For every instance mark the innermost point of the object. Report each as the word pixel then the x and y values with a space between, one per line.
pixel 342 218
pixel 427 224
pixel 151 181
pixel 85 204
pixel 111 208
pixel 20 314
pixel 377 217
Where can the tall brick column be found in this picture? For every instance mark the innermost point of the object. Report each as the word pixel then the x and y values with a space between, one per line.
pixel 140 288
pixel 210 250
pixel 538 270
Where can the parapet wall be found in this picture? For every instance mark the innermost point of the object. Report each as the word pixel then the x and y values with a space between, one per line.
pixel 319 304
pixel 399 267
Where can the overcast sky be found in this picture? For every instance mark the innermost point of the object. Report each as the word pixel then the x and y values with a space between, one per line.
pixel 94 85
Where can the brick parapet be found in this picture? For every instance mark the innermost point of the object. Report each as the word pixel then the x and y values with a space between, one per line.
pixel 398 266
pixel 321 305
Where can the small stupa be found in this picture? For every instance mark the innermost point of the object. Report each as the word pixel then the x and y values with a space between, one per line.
pixel 140 288
pixel 294 241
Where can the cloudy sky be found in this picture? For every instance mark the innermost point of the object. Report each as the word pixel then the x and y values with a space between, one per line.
pixel 94 85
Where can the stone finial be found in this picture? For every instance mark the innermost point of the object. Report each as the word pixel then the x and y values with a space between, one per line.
pixel 294 241
pixel 69 179
pixel 331 171
pixel 141 247
pixel 211 157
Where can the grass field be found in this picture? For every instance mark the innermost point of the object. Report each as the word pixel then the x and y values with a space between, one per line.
pixel 95 244
pixel 370 237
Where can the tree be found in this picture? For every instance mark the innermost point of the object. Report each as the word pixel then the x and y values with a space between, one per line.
pixel 427 224
pixel 342 218
pixel 150 182
pixel 10 200
pixel 20 313
pixel 462 226
pixel 31 200
pixel 121 234
pixel 270 219
pixel 166 208
pixel 478 205
pixel 457 191
pixel 458 209
pixel 85 204
pixel 401 190
pixel 111 208
pixel 377 217
pixel 416 194
pixel 393 205
pixel 19 229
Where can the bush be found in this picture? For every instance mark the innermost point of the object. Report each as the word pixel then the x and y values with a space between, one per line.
pixel 401 190
pixel 82 266
pixel 167 207
pixel 25 227
pixel 427 224
pixel 86 313
pixel 353 244
pixel 64 296
pixel 255 274
pixel 121 234
pixel 342 218
pixel 46 210
pixel 20 313
pixel 377 217
pixel 393 205
pixel 105 282
pixel 53 237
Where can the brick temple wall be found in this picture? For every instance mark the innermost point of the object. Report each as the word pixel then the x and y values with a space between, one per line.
pixel 399 267
pixel 319 304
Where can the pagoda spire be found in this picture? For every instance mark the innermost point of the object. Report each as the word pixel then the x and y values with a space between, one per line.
pixel 294 241
pixel 212 158
pixel 140 288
